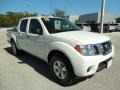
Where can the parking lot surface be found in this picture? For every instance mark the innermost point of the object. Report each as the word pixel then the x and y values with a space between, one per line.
pixel 29 73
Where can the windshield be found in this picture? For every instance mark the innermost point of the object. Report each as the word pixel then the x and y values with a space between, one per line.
pixel 55 25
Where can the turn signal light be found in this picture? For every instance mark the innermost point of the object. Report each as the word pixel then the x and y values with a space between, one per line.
pixel 77 48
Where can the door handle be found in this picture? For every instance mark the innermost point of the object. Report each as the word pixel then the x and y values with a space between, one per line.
pixel 20 34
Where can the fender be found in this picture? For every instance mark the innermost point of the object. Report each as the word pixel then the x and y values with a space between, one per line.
pixel 14 37
pixel 69 51
pixel 60 46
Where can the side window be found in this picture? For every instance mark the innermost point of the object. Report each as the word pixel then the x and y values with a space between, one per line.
pixel 23 25
pixel 35 27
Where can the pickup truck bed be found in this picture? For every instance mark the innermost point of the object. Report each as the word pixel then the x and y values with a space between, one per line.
pixel 9 32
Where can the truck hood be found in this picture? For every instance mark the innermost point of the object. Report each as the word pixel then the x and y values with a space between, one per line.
pixel 83 37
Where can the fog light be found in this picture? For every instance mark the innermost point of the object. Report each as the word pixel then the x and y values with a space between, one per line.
pixel 89 69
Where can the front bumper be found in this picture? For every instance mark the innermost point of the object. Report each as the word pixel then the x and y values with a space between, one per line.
pixel 89 65
pixel 105 64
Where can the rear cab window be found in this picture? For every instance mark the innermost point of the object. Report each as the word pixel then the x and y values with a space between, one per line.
pixel 23 25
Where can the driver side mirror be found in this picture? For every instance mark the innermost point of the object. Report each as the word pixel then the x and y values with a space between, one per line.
pixel 38 31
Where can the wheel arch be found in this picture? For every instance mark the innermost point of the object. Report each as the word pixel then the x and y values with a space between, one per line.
pixel 12 40
pixel 54 52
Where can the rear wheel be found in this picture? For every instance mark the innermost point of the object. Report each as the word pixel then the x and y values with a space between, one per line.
pixel 14 48
pixel 61 70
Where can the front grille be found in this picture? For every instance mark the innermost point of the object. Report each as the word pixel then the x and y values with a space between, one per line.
pixel 107 48
pixel 103 64
pixel 103 48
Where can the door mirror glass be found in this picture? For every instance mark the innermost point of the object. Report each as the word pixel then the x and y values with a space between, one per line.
pixel 35 31
pixel 38 31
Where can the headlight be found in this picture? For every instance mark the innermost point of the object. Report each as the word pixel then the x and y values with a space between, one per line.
pixel 95 49
pixel 86 50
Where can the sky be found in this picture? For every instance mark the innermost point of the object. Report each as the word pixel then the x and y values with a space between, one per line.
pixel 72 7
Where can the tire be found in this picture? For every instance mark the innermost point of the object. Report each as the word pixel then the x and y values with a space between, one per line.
pixel 15 50
pixel 61 70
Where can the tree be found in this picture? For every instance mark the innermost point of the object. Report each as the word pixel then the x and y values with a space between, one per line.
pixel 12 18
pixel 118 20
pixel 59 13
pixel 77 21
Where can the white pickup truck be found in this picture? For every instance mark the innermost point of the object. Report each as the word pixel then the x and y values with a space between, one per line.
pixel 69 51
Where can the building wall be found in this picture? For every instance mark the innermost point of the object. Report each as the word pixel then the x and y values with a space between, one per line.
pixel 95 17
pixel 108 18
pixel 88 18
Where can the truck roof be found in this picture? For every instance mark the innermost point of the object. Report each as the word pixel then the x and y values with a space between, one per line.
pixel 40 17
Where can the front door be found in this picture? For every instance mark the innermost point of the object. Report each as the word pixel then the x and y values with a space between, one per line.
pixel 35 39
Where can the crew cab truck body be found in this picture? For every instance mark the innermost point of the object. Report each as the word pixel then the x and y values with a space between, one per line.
pixel 68 51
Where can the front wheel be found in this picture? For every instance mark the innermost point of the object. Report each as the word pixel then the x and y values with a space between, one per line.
pixel 61 70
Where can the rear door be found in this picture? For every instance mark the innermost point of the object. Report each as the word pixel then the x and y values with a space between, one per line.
pixel 22 34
